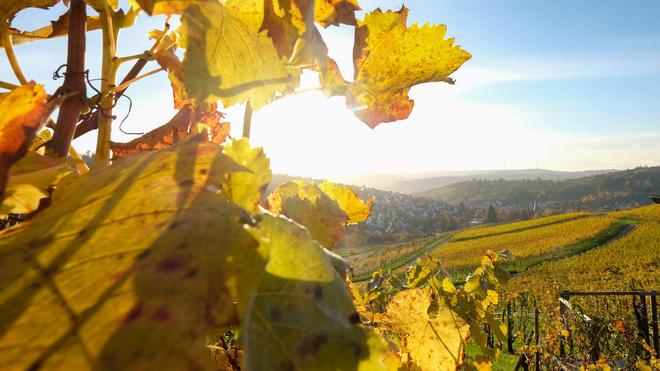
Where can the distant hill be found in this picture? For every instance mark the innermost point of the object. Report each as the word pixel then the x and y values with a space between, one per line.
pixel 620 189
pixel 447 178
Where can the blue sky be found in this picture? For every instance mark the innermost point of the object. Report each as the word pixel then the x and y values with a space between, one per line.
pixel 573 85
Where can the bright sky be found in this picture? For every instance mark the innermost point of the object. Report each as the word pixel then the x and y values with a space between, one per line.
pixel 572 85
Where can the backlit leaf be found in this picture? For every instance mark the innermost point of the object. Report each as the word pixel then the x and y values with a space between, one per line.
pixel 390 57
pixel 29 181
pixel 23 113
pixel 9 8
pixel 131 268
pixel 57 28
pixel 311 207
pixel 302 316
pixel 174 131
pixel 168 7
pixel 335 12
pixel 431 343
pixel 356 209
pixel 227 59
pixel 247 187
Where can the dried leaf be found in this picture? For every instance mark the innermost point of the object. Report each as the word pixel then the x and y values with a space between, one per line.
pixel 29 182
pixel 9 8
pixel 390 57
pixel 172 132
pixel 57 28
pixel 185 123
pixel 335 12
pixel 23 112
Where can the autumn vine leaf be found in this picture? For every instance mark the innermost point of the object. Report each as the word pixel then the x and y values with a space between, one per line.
pixel 181 126
pixel 389 58
pixel 30 181
pixel 325 215
pixel 246 188
pixel 427 342
pixel 303 324
pixel 227 59
pixel 356 209
pixel 9 8
pixel 81 275
pixel 23 112
pixel 130 296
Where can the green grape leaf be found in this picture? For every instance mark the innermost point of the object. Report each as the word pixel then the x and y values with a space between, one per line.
pixel 247 188
pixel 389 58
pixel 23 112
pixel 356 209
pixel 227 59
pixel 9 8
pixel 131 268
pixel 308 205
pixel 302 316
pixel 429 342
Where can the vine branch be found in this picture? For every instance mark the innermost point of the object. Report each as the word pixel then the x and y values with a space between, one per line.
pixel 247 120
pixel 108 75
pixel 74 81
pixel 11 56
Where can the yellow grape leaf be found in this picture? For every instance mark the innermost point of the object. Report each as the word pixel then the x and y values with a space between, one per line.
pixel 246 188
pixel 356 209
pixel 131 268
pixel 335 12
pixel 431 344
pixel 311 207
pixel 9 8
pixel 168 60
pixel 29 181
pixel 227 59
pixel 389 57
pixel 168 7
pixel 57 28
pixel 302 317
pixel 23 113
pixel 331 80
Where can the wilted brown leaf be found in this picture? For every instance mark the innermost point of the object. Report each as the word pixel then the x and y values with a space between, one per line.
pixel 23 112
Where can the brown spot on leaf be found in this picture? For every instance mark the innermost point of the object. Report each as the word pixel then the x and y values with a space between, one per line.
pixel 161 315
pixel 274 314
pixel 310 345
pixel 134 314
pixel 170 263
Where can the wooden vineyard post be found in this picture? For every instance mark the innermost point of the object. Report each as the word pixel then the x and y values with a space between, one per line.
pixel 641 314
pixel 654 323
pixel 509 328
pixel 536 338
